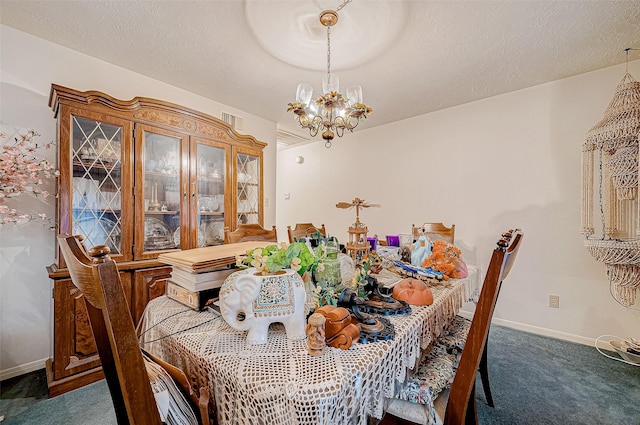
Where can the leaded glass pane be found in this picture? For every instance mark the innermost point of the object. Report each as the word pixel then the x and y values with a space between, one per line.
pixel 161 192
pixel 248 190
pixel 211 184
pixel 96 194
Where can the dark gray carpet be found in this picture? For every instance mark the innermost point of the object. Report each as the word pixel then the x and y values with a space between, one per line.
pixel 544 381
pixel 534 380
pixel 89 405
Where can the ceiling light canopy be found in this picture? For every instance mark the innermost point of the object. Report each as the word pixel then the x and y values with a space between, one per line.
pixel 333 112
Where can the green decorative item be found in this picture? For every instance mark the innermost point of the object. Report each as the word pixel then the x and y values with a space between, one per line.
pixel 327 273
pixel 328 266
pixel 270 259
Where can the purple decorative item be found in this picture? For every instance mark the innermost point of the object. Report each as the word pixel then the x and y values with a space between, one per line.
pixel 373 242
pixel 393 240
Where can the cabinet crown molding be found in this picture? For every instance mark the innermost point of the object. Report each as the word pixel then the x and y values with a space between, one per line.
pixel 152 111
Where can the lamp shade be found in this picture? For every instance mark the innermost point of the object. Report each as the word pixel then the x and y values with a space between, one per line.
pixel 620 125
pixel 354 94
pixel 304 93
pixel 330 82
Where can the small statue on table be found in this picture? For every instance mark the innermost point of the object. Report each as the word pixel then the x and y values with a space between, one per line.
pixel 316 334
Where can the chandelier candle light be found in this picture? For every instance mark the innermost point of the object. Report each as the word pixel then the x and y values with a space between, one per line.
pixel 333 111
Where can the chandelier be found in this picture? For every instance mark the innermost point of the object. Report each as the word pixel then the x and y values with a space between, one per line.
pixel 332 112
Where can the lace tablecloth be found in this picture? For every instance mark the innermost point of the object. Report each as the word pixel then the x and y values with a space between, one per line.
pixel 279 383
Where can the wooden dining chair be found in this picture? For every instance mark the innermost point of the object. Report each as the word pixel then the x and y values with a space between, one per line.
pixel 133 378
pixel 443 385
pixel 456 336
pixel 434 231
pixel 303 230
pixel 250 232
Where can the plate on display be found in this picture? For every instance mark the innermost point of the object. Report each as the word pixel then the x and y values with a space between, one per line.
pixel 157 235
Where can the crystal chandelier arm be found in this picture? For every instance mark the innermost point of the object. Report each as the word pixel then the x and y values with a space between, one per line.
pixel 312 123
pixel 345 123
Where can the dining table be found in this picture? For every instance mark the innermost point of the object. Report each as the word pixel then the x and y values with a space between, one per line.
pixel 280 383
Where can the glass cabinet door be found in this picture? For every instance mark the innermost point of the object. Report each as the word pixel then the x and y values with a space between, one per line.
pixel 161 191
pixel 97 198
pixel 248 189
pixel 209 185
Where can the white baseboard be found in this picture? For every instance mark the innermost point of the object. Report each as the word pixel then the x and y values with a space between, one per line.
pixel 22 369
pixel 538 330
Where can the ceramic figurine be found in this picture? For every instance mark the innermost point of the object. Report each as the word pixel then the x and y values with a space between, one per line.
pixel 420 250
pixel 252 301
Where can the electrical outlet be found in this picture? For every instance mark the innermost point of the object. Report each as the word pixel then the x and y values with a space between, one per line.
pixel 554 301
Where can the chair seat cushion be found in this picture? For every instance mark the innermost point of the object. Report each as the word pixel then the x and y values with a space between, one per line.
pixel 412 412
pixel 172 404
pixel 455 336
pixel 416 400
pixel 434 373
pixel 438 367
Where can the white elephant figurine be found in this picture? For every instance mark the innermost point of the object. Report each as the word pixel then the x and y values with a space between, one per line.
pixel 252 301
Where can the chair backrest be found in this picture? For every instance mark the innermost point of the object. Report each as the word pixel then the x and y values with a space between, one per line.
pixel 250 232
pixel 95 274
pixel 461 406
pixel 434 231
pixel 303 230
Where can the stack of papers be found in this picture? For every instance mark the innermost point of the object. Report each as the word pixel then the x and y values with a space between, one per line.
pixel 196 282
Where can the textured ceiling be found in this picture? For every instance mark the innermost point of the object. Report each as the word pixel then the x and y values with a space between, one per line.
pixel 411 57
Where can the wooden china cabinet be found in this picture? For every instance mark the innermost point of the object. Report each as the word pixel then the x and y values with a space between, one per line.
pixel 143 177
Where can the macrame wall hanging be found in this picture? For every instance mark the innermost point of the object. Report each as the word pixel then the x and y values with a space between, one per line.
pixel 610 191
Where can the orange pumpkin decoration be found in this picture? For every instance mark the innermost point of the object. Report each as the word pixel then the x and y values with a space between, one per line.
pixel 413 291
pixel 459 268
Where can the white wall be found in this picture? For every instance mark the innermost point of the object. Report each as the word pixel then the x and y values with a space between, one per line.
pixel 29 66
pixel 508 161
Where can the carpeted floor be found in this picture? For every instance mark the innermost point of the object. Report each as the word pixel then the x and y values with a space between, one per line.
pixel 545 381
pixel 534 380
pixel 19 393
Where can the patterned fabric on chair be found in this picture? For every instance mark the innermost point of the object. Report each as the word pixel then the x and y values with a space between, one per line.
pixel 434 373
pixel 416 399
pixel 456 335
